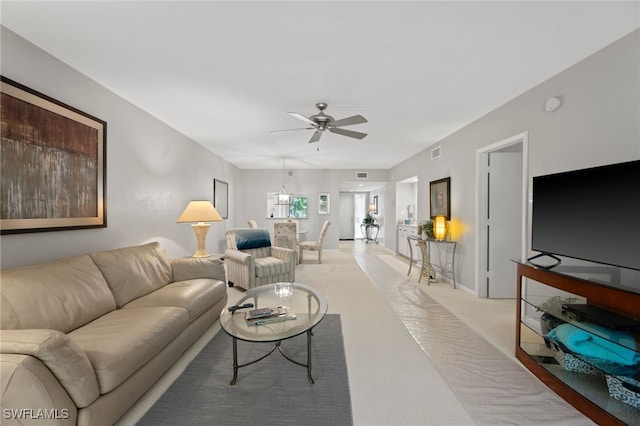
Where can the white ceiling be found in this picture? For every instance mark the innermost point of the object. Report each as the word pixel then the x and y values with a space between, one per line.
pixel 225 73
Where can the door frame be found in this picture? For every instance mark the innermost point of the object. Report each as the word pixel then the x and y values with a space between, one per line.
pixel 482 155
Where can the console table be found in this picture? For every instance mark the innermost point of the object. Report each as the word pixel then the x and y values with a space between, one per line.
pixel 368 230
pixel 537 287
pixel 427 269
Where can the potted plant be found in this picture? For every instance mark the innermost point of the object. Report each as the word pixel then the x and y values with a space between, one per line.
pixel 425 227
pixel 369 220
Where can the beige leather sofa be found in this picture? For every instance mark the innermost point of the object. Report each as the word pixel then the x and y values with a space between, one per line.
pixel 83 338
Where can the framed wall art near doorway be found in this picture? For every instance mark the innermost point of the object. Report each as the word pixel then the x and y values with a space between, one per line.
pixel 221 197
pixel 324 203
pixel 53 164
pixel 440 198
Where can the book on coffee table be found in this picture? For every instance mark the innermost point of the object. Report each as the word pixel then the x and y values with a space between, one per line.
pixel 269 315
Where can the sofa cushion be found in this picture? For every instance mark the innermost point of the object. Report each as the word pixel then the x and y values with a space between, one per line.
pixel 132 272
pixel 61 295
pixel 269 266
pixel 196 296
pixel 122 341
pixel 188 268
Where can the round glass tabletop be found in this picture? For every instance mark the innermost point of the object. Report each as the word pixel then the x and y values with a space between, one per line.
pixel 302 301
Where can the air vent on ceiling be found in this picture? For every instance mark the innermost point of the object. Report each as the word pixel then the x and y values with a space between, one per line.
pixel 362 175
pixel 435 152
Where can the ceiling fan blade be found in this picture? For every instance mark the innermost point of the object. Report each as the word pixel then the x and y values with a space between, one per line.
pixel 315 137
pixel 349 133
pixel 349 121
pixel 290 130
pixel 301 117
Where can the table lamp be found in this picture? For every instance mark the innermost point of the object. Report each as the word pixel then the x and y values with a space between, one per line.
pixel 200 212
pixel 439 228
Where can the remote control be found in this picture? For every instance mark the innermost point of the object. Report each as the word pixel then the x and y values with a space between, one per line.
pixel 234 308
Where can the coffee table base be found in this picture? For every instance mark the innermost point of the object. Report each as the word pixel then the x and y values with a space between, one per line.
pixel 236 366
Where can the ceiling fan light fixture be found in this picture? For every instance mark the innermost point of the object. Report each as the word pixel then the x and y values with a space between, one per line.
pixel 321 122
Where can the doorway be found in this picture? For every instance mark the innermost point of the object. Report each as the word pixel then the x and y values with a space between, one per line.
pixel 345 224
pixel 501 215
pixel 356 205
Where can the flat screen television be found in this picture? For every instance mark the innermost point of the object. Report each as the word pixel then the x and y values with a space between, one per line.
pixel 589 214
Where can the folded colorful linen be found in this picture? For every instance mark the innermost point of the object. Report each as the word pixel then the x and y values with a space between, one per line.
pixel 591 345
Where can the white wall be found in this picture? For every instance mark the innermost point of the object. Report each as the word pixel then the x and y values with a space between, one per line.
pixel 598 123
pixel 152 170
pixel 406 194
pixel 252 202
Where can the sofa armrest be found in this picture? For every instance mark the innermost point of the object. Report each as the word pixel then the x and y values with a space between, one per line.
pixel 28 388
pixel 285 254
pixel 189 268
pixel 63 357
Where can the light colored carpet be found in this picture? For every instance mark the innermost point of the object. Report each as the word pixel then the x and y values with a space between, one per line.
pixel 271 392
pixel 494 388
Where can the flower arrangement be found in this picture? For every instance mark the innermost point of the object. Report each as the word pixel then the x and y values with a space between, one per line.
pixel 369 220
pixel 426 227
pixel 554 304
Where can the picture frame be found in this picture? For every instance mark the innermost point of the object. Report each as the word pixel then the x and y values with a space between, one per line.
pixel 375 204
pixel 324 203
pixel 440 198
pixel 221 197
pixel 53 164
pixel 299 208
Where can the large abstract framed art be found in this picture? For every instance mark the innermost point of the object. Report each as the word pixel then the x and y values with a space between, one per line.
pixel 53 163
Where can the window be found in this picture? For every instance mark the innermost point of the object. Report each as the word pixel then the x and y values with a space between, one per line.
pixel 299 207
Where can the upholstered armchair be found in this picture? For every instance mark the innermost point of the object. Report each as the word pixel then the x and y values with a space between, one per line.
pixel 252 261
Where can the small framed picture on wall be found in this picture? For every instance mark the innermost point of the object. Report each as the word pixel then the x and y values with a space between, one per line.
pixel 221 197
pixel 324 203
pixel 439 196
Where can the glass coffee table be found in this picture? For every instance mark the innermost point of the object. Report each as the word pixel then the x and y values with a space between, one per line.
pixel 308 305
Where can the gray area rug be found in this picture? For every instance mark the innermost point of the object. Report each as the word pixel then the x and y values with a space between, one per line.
pixel 273 391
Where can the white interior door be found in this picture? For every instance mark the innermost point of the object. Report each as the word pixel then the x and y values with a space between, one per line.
pixel 347 209
pixel 504 222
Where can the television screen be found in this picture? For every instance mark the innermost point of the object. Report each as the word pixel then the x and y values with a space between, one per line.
pixel 590 214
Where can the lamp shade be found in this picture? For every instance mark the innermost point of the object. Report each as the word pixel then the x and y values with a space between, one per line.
pixel 439 228
pixel 372 207
pixel 200 211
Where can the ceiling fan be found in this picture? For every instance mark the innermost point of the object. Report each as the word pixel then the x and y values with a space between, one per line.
pixel 321 122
